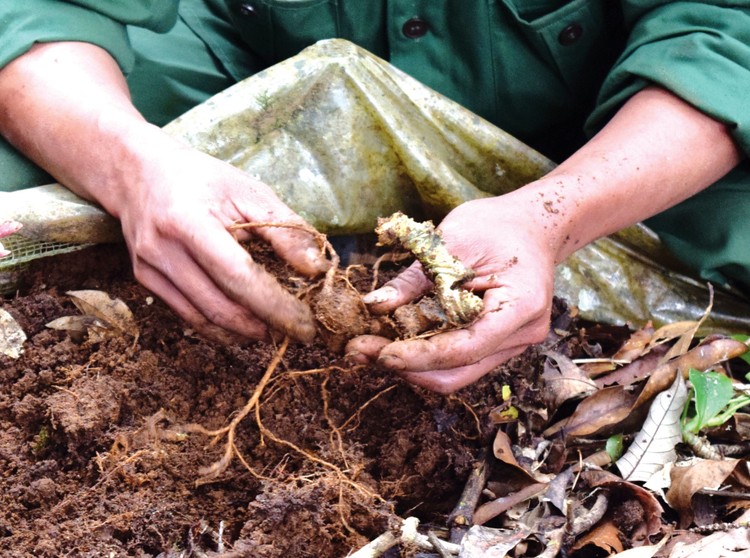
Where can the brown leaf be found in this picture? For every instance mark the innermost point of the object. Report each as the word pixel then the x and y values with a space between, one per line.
pixel 503 450
pixel 623 490
pixel 689 479
pixel 636 345
pixel 702 357
pixel 598 413
pixel 113 312
pixel 635 371
pixel 493 508
pixel 605 535
pixel 564 380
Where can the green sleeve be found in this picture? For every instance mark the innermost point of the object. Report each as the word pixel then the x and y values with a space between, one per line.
pixel 698 50
pixel 100 22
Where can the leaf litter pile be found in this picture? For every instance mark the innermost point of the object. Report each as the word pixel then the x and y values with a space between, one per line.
pixel 124 433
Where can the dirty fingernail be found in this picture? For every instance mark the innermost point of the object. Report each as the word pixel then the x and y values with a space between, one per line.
pixel 383 294
pixel 392 363
pixel 357 357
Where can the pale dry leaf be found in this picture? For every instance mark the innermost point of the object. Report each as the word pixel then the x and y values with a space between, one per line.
pixel 734 543
pixel 486 542
pixel 654 446
pixel 77 324
pixel 682 345
pixel 642 551
pixel 112 311
pixel 12 336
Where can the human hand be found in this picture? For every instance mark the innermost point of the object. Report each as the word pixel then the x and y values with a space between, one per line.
pixel 6 229
pixel 511 247
pixel 176 217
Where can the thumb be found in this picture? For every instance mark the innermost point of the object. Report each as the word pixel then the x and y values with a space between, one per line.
pixel 407 286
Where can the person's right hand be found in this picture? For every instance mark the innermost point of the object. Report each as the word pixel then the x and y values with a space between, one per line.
pixel 176 219
pixel 66 105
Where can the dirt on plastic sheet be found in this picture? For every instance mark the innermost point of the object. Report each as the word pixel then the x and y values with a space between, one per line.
pixel 94 459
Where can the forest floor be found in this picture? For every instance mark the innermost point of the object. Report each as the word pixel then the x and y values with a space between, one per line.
pixel 117 442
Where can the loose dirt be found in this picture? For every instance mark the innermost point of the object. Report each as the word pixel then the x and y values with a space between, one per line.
pixel 95 461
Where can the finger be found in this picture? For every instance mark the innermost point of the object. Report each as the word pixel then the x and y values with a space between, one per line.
pixel 408 285
pixel 506 324
pixel 365 349
pixel 246 283
pixel 448 381
pixel 162 287
pixel 297 242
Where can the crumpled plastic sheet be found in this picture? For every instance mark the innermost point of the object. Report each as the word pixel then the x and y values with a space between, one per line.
pixel 344 137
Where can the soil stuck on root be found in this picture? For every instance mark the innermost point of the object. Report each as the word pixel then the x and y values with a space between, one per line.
pixel 96 461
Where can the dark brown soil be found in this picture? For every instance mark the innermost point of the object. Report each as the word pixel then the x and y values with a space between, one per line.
pixel 93 462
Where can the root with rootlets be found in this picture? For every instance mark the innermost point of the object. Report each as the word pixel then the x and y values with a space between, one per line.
pixel 337 305
pixel 340 474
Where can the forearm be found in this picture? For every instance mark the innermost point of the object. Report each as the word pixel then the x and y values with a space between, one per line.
pixel 656 152
pixel 67 107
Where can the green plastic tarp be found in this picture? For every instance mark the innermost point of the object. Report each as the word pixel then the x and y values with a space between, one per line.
pixel 344 137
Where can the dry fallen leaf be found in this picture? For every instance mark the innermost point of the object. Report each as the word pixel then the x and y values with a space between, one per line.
pixel 734 543
pixel 654 446
pixel 79 326
pixel 484 542
pixel 113 312
pixel 101 316
pixel 598 413
pixel 689 478
pixel 605 535
pixel 564 380
pixel 12 336
pixel 628 491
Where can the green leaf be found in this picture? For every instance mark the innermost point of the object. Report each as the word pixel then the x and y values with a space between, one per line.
pixel 713 392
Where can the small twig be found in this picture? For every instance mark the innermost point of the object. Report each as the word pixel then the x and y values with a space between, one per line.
pixel 408 536
pixel 713 527
pixel 463 513
pixel 554 543
pixel 586 520
pixel 725 494
pixel 492 509
pixel 437 544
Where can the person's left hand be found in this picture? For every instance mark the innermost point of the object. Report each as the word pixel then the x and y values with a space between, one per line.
pixel 510 246
pixel 7 228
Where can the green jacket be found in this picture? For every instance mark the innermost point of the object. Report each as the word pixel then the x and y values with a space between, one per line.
pixel 549 72
pixel 536 68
